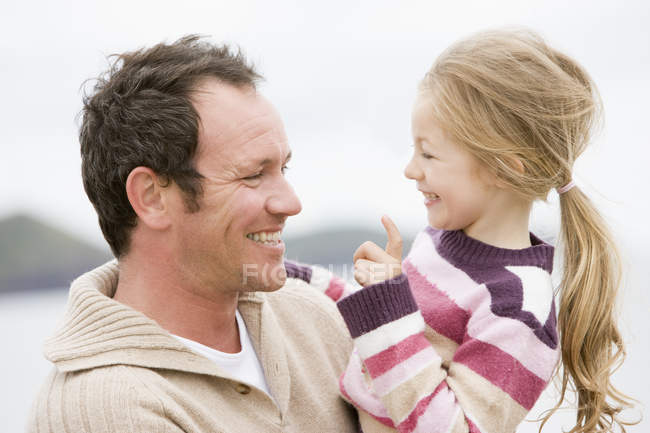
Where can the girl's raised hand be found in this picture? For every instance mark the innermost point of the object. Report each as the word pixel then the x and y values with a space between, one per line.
pixel 372 264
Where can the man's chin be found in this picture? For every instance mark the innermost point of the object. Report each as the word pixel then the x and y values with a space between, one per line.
pixel 263 277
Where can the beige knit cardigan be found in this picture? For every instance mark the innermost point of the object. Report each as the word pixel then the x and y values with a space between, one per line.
pixel 116 370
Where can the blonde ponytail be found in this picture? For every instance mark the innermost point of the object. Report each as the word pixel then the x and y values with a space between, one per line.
pixel 592 347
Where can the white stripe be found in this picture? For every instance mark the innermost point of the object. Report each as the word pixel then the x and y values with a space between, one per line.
pixel 538 290
pixel 474 421
pixel 406 370
pixel 476 298
pixel 320 278
pixel 389 334
pixel 457 414
pixel 350 288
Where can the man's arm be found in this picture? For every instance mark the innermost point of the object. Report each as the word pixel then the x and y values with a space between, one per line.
pixel 97 400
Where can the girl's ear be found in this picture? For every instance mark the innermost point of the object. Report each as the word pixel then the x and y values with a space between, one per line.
pixel 512 162
pixel 516 163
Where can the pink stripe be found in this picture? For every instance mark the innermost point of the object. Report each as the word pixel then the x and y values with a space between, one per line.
pixel 439 311
pixel 353 387
pixel 411 421
pixel 335 288
pixel 405 371
pixel 501 370
pixel 507 335
pixel 385 360
pixel 472 426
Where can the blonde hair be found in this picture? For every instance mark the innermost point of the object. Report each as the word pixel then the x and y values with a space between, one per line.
pixel 509 98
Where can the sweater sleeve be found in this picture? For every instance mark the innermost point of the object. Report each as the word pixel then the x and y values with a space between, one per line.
pixel 321 279
pixel 396 375
pixel 97 401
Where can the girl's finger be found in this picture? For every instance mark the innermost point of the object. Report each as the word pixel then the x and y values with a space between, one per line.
pixel 371 251
pixel 394 244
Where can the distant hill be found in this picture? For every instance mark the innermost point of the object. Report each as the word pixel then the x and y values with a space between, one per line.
pixel 34 255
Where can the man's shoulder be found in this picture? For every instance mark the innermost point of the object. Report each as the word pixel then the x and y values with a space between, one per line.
pixel 310 321
pixel 115 396
pixel 299 305
pixel 298 292
pixel 126 381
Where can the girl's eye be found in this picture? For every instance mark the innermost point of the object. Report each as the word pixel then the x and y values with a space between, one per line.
pixel 423 154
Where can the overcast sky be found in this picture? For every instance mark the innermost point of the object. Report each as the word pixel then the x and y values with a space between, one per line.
pixel 343 76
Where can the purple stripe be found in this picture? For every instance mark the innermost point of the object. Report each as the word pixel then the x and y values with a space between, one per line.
pixel 377 305
pixel 507 301
pixel 294 270
pixel 458 248
pixel 486 264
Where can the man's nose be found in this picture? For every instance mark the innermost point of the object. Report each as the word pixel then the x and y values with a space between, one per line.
pixel 284 200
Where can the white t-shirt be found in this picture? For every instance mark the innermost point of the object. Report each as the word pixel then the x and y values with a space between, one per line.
pixel 244 366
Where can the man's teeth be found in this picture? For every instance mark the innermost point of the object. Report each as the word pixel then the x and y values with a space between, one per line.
pixel 431 196
pixel 268 238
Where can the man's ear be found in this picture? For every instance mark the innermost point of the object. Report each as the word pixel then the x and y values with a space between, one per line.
pixel 147 198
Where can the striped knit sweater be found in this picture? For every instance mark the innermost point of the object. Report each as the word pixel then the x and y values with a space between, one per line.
pixel 466 342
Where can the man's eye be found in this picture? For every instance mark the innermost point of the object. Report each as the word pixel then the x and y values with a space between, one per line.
pixel 253 177
pixel 426 155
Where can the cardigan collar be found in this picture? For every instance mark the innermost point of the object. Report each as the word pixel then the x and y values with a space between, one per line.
pixel 98 331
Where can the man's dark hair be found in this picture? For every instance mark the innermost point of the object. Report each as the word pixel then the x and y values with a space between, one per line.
pixel 140 114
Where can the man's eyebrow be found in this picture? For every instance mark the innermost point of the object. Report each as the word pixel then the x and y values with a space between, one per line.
pixel 267 161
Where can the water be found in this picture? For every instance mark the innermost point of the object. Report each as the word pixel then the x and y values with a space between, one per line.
pixel 27 319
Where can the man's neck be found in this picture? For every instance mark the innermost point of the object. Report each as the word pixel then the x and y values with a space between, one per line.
pixel 201 314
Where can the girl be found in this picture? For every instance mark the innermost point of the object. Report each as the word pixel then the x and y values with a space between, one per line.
pixel 469 339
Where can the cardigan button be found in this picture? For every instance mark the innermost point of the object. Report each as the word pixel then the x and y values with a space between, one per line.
pixel 242 388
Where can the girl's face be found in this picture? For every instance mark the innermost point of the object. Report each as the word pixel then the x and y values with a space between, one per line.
pixel 459 191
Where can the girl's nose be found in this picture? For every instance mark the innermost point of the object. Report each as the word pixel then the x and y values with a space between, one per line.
pixel 412 171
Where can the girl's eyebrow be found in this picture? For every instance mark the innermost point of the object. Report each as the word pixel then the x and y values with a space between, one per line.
pixel 421 141
pixel 418 141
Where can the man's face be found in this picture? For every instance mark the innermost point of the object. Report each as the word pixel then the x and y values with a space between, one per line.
pixel 233 241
